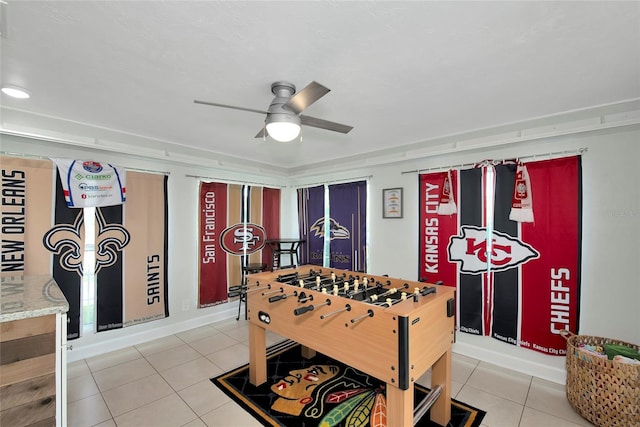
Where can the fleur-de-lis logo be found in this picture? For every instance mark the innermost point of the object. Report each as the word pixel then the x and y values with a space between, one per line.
pixel 111 239
pixel 65 240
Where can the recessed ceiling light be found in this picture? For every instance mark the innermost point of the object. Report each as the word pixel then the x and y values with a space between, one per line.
pixel 15 92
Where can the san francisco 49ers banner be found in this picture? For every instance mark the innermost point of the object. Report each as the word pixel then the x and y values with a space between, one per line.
pixel 517 281
pixel 234 223
pixel 131 255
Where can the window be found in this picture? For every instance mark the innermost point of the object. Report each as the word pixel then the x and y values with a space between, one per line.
pixel 88 291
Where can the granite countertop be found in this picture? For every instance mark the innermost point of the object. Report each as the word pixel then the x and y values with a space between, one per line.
pixel 23 297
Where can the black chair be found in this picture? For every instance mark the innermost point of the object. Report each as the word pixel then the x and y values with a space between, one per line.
pixel 247 269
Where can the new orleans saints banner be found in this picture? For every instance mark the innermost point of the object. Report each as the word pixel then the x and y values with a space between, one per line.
pixel 347 232
pixel 235 222
pixel 521 285
pixel 28 197
pixel 131 255
pixel 311 224
pixel 40 234
pixel 65 241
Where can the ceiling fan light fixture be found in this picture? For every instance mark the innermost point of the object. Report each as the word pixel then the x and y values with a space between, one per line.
pixel 15 92
pixel 283 120
pixel 283 127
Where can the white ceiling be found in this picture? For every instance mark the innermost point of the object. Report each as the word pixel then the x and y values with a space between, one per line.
pixel 401 73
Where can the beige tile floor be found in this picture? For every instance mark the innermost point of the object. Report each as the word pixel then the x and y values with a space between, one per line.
pixel 166 383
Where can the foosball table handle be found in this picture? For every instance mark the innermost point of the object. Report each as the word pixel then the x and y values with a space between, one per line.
pixel 302 310
pixel 282 296
pixel 427 291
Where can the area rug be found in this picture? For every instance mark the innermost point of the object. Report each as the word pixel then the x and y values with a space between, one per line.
pixel 321 392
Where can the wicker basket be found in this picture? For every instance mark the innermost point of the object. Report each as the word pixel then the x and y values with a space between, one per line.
pixel 605 392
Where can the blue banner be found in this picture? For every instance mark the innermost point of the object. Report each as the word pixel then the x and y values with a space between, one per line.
pixel 347 232
pixel 311 224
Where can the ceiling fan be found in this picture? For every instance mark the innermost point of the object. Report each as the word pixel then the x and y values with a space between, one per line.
pixel 283 118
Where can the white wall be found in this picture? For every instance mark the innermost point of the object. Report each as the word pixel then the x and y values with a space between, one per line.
pixel 611 237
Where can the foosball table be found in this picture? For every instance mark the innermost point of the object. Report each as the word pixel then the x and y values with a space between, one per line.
pixel 391 329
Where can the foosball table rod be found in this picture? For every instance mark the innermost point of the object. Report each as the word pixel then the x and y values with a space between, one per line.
pixel 235 291
pixel 369 313
pixel 425 404
pixel 307 308
pixel 257 288
pixel 391 291
pixel 281 290
pixel 424 291
pixel 340 310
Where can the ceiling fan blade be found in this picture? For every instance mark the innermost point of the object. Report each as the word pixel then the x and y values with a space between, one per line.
pixel 263 133
pixel 324 124
pixel 229 106
pixel 306 96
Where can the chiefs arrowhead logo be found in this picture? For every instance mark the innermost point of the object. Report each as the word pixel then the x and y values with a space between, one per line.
pixel 470 250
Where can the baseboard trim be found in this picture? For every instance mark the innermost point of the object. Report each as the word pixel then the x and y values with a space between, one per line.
pixel 528 367
pixel 78 352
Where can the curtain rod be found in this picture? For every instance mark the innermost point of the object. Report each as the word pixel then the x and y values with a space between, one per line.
pixel 233 181
pixel 147 171
pixel 581 150
pixel 32 156
pixel 335 181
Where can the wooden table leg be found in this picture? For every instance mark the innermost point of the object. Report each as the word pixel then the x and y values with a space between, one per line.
pixel 399 406
pixel 308 353
pixel 441 375
pixel 257 355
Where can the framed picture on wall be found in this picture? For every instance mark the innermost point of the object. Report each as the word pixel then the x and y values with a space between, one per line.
pixel 392 203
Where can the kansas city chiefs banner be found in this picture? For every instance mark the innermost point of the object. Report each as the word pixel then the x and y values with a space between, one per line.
pixel 235 222
pixel 131 255
pixel 521 285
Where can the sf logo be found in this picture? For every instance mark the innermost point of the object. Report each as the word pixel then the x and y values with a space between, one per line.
pixel 244 238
